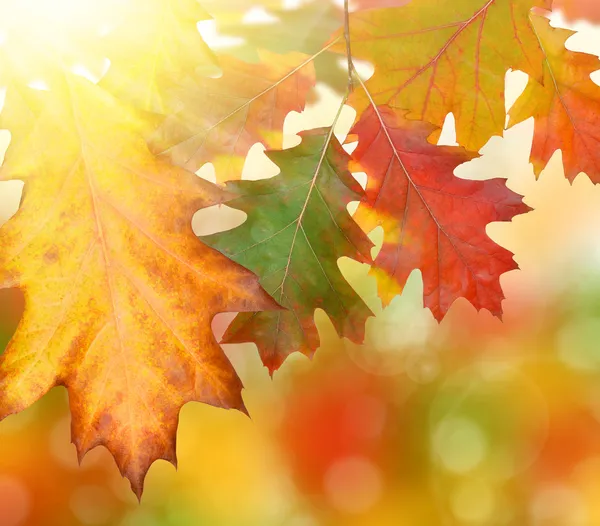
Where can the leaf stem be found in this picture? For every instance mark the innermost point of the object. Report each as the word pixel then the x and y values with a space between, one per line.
pixel 348 46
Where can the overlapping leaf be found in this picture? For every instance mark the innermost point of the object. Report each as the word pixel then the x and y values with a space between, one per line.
pixel 119 298
pixel 306 28
pixel 222 118
pixel 433 221
pixel 434 57
pixel 297 229
pixel 566 106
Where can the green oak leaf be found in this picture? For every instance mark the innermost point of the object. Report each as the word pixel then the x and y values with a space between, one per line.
pixel 297 229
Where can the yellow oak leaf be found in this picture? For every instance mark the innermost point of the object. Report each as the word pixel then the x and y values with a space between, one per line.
pixel 434 57
pixel 119 292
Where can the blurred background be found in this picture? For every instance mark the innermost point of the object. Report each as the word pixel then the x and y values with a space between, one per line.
pixel 474 421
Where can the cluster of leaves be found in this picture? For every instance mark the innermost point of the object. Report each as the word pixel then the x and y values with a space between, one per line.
pixel 120 293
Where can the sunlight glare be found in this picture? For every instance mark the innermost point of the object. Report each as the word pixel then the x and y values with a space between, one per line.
pixel 39 85
pixel 40 38
pixel 55 15
pixel 56 22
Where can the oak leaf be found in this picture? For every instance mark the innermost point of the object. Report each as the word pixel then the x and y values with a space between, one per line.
pixel 119 299
pixel 220 119
pixel 566 106
pixel 297 229
pixel 432 220
pixel 434 57
pixel 305 28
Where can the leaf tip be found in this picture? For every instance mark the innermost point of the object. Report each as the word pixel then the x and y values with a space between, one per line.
pixel 244 410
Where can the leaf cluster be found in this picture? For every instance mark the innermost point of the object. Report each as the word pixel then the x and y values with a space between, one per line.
pixel 120 293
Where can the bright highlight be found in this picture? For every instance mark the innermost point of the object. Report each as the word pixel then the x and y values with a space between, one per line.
pixel 38 35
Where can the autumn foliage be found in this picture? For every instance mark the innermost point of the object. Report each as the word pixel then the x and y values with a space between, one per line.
pixel 119 291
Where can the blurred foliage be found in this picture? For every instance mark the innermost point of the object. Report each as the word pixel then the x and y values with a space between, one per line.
pixel 472 422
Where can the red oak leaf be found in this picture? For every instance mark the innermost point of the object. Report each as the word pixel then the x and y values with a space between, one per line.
pixel 433 221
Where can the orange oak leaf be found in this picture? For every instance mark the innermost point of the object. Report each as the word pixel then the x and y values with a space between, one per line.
pixel 119 292
pixel 432 220
pixel 576 9
pixel 566 107
pixel 220 119
pixel 434 57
